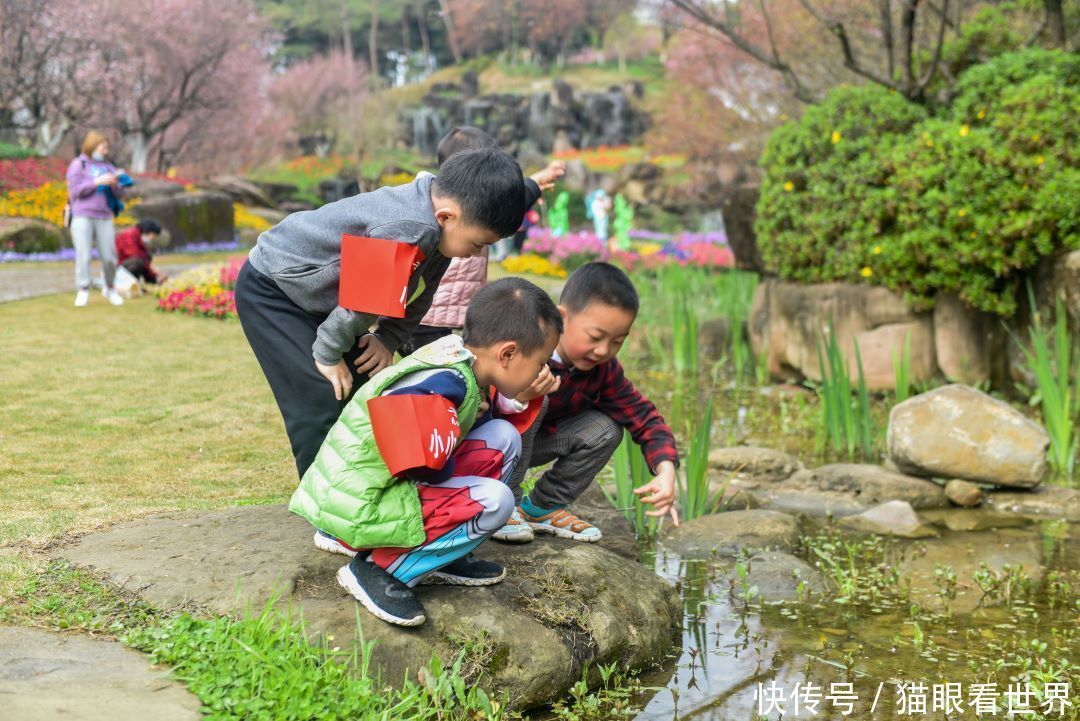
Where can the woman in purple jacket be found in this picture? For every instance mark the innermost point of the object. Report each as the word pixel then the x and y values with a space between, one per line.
pixel 91 217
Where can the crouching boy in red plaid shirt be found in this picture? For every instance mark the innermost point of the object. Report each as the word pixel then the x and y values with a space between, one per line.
pixel 589 403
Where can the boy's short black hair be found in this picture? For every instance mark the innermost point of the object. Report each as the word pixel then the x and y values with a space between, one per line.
pixel 463 137
pixel 489 187
pixel 599 282
pixel 512 309
pixel 148 226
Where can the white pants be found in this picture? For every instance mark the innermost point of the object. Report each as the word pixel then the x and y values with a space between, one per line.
pixel 85 231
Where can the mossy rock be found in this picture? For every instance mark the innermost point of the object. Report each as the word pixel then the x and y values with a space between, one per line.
pixel 197 217
pixel 23 235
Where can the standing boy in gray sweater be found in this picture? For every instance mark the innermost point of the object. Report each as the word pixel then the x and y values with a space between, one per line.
pixel 313 351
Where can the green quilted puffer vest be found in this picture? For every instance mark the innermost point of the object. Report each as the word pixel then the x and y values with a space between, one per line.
pixel 348 491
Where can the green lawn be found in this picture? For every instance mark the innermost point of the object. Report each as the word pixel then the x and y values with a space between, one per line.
pixel 112 413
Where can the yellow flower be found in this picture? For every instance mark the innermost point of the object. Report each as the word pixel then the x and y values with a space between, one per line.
pixel 877 250
pixel 532 263
pixel 961 212
pixel 835 137
pixel 244 218
pixel 1040 159
pixel 646 249
pixel 964 130
pixel 170 173
pixel 929 143
pixel 866 272
pixel 1035 138
pixel 789 186
pixel 982 114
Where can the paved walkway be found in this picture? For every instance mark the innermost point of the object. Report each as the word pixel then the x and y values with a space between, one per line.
pixel 29 281
pixel 47 676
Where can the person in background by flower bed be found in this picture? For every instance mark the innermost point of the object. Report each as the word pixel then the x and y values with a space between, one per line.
pixel 92 216
pixel 465 276
pixel 133 253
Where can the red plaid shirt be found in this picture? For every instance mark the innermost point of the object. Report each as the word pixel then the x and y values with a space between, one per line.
pixel 129 244
pixel 605 388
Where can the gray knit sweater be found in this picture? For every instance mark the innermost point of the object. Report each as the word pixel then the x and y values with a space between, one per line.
pixel 302 254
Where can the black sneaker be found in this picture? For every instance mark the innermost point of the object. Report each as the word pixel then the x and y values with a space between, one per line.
pixel 382 594
pixel 468 571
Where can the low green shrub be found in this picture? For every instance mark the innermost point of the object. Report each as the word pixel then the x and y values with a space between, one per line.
pixel 867 188
pixel 825 199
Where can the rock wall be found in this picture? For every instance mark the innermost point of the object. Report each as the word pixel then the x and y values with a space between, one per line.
pixel 195 217
pixel 787 321
pixel 542 122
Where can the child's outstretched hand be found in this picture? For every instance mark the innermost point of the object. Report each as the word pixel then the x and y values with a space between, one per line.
pixel 375 356
pixel 661 490
pixel 339 377
pixel 545 383
pixel 546 178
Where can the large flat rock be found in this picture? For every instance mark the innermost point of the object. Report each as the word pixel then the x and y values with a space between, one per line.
pixel 46 676
pixel 562 606
pixel 844 489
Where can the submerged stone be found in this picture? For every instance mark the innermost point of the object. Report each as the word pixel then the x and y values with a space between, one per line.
pixel 895 518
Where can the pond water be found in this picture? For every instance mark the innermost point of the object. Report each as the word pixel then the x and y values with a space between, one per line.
pixel 907 620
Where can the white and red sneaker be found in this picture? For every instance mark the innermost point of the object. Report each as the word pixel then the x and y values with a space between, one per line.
pixel 325 542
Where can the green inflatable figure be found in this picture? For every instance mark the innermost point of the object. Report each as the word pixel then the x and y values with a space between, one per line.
pixel 559 215
pixel 624 221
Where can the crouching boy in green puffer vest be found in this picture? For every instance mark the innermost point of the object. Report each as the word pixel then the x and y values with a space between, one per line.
pixel 411 524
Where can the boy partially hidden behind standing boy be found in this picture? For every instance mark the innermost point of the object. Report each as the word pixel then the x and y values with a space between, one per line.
pixel 414 471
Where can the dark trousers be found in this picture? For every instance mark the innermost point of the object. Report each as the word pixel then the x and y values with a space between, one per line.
pixel 580 447
pixel 423 335
pixel 140 269
pixel 281 333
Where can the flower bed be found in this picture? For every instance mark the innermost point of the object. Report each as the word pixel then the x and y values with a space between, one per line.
pixel 651 250
pixel 46 202
pixel 608 159
pixel 244 219
pixel 27 173
pixel 535 264
pixel 204 291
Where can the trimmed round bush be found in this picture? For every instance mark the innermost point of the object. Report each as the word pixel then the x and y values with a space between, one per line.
pixel 825 199
pixel 968 202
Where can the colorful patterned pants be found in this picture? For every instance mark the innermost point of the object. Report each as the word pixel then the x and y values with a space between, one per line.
pixel 460 513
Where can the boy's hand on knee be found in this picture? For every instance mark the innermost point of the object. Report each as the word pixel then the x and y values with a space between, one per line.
pixel 661 492
pixel 339 376
pixel 545 384
pixel 375 357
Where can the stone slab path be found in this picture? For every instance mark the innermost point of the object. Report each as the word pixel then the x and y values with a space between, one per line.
pixel 46 675
pixel 22 282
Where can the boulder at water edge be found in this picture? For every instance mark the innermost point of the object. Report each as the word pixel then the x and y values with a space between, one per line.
pixel 725 534
pixel 959 432
pixel 563 605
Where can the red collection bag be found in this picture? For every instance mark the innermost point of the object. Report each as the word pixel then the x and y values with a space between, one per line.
pixel 414 431
pixel 375 275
